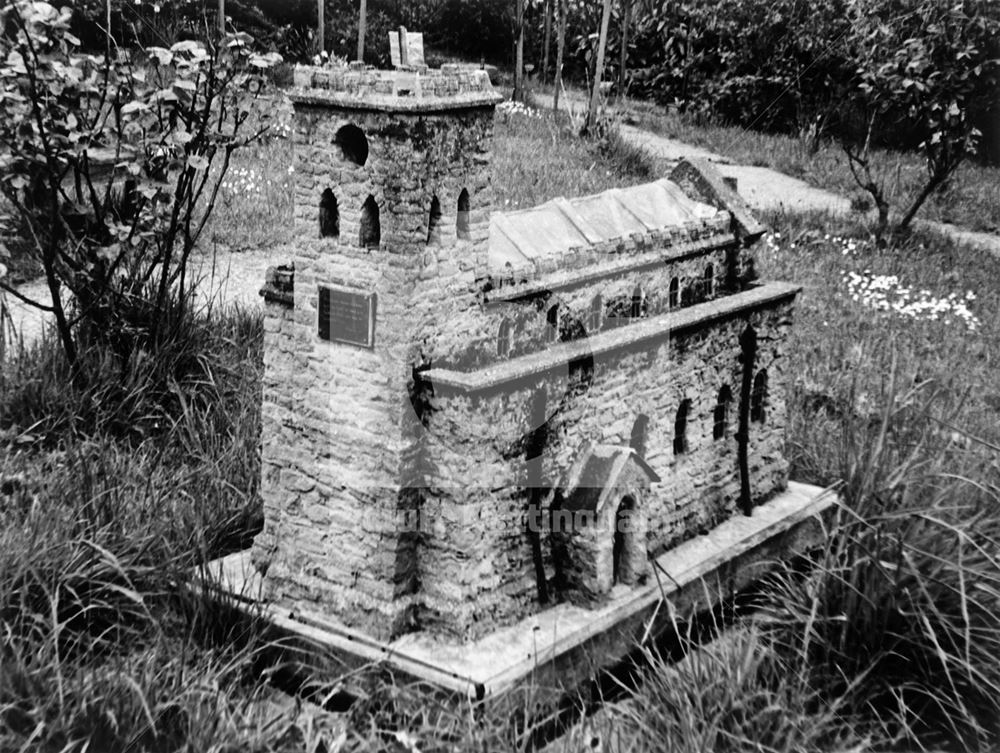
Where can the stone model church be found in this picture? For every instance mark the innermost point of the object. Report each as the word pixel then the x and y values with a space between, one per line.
pixel 470 415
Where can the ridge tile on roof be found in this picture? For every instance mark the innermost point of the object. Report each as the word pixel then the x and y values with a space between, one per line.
pixel 555 227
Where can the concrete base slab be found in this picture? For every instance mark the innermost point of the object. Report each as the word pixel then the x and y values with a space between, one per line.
pixel 563 646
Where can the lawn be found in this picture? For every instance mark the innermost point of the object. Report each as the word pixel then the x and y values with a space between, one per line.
pixel 109 496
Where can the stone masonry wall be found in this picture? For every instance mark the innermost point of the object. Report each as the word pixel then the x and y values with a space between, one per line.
pixel 478 569
pixel 470 339
pixel 340 430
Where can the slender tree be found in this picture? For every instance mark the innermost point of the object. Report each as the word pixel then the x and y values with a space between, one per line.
pixel 623 61
pixel 519 51
pixel 222 17
pixel 599 67
pixel 321 25
pixel 362 28
pixel 560 49
pixel 547 33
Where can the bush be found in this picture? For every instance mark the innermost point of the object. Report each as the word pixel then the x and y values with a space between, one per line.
pixel 111 168
pixel 781 66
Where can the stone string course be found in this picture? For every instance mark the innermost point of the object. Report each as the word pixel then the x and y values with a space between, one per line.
pixel 396 507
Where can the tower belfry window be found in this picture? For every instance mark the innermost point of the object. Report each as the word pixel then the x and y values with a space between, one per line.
pixel 708 285
pixel 371 230
pixel 329 215
pixel 434 222
pixel 462 223
pixel 674 293
pixel 353 144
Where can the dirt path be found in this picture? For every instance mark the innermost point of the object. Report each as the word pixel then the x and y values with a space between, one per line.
pixel 764 188
pixel 227 278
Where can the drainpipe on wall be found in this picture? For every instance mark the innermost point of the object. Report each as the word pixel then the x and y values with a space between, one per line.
pixel 748 357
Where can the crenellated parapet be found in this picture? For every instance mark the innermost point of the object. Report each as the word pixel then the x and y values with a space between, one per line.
pixel 422 89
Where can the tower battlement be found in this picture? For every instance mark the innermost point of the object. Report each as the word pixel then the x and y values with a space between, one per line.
pixel 420 89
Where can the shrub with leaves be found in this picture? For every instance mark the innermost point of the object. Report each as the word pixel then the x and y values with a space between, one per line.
pixel 924 69
pixel 115 168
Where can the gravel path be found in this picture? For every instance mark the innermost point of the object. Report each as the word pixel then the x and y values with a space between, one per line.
pixel 764 188
pixel 227 278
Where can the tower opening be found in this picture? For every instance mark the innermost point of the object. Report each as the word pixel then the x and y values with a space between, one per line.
pixel 434 222
pixel 462 216
pixel 353 144
pixel 329 215
pixel 371 230
pixel 708 284
pixel 674 293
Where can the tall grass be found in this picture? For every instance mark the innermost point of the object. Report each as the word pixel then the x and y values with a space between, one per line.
pixel 110 494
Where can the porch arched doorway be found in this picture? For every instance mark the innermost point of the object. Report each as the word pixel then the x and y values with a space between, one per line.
pixel 627 543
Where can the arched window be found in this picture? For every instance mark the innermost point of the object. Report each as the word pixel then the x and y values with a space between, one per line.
pixel 552 324
pixel 505 338
pixel 462 217
pixel 709 283
pixel 623 546
pixel 371 230
pixel 638 307
pixel 595 314
pixel 639 431
pixel 674 294
pixel 353 144
pixel 329 215
pixel 720 414
pixel 434 222
pixel 680 427
pixel 758 397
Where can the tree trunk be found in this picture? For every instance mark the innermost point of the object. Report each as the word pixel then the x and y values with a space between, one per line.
pixel 519 51
pixel 222 18
pixel 362 28
pixel 547 41
pixel 321 25
pixel 599 67
pixel 623 62
pixel 560 48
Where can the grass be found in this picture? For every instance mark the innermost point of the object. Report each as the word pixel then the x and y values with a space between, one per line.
pixel 110 496
pixel 970 199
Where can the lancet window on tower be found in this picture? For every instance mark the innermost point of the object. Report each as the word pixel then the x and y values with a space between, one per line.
pixel 371 229
pixel 462 216
pixel 434 222
pixel 329 215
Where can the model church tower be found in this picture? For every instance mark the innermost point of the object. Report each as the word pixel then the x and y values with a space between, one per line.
pixel 471 416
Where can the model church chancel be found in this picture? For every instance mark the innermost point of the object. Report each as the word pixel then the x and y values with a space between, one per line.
pixel 470 416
